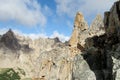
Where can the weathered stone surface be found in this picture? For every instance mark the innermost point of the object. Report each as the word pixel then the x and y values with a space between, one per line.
pixel 97 26
pixel 81 33
pixel 74 38
pixel 80 23
pixel 50 59
pixel 81 69
pixel 79 26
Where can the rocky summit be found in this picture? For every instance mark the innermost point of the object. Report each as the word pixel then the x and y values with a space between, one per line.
pixel 92 53
pixel 10 41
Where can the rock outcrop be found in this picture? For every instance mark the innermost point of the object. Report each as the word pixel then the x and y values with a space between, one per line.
pixel 102 52
pixel 81 69
pixel 97 26
pixel 112 19
pixel 81 32
pixel 80 22
pixel 112 27
pixel 79 26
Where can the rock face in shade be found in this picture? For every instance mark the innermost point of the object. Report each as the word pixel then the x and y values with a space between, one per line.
pixel 112 28
pixel 10 41
pixel 112 18
pixel 102 53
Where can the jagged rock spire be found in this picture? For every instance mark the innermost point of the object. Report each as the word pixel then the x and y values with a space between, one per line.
pixel 80 22
pixel 80 25
pixel 97 23
pixel 97 26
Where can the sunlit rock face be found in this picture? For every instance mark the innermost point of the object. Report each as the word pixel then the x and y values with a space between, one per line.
pixel 43 58
pixel 92 53
pixel 80 22
pixel 79 26
pixel 97 26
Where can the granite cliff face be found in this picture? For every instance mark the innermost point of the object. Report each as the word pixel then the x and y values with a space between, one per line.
pixel 92 53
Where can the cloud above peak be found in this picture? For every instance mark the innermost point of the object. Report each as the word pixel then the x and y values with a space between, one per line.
pixel 25 12
pixel 87 7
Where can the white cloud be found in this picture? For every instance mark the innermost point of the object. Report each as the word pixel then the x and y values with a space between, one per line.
pixel 33 36
pixel 62 37
pixel 26 12
pixel 3 31
pixel 87 7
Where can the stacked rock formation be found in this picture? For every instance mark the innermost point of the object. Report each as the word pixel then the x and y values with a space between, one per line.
pixel 81 32
pixel 79 26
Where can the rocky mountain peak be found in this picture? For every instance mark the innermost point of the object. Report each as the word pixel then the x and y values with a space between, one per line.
pixel 10 41
pixel 80 25
pixel 56 39
pixel 97 23
pixel 97 26
pixel 80 22
pixel 10 33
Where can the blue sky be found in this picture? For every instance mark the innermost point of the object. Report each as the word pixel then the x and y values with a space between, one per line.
pixel 48 18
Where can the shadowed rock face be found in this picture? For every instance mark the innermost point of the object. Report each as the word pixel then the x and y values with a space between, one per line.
pixel 10 41
pixel 112 19
pixel 99 59
pixel 102 48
